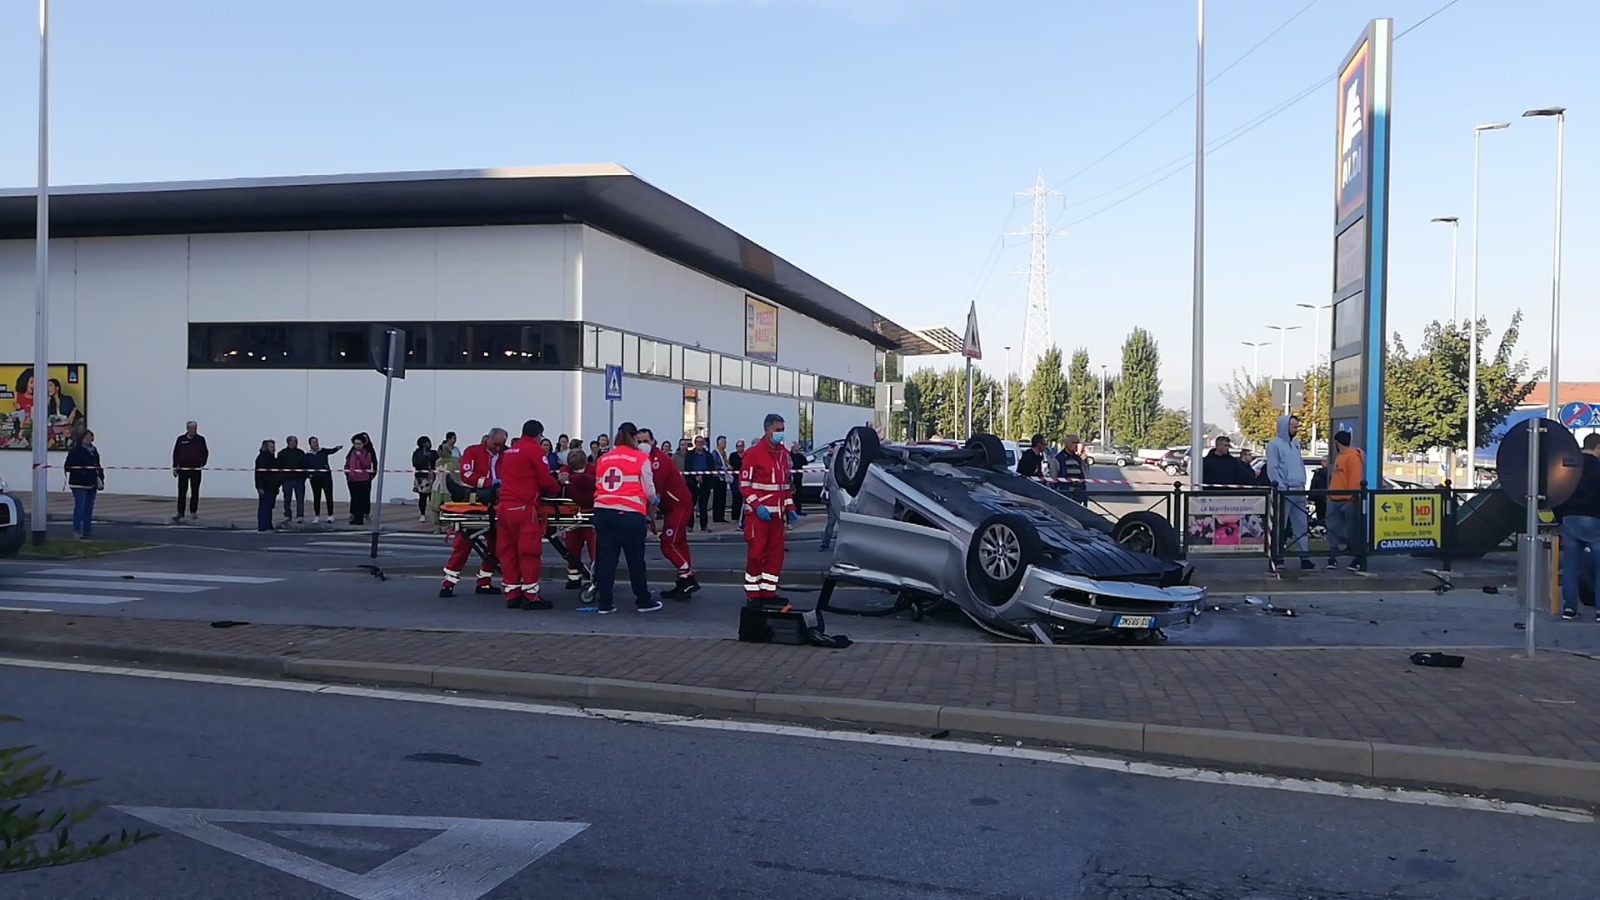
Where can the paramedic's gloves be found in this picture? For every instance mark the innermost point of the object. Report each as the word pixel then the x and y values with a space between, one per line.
pixel 764 514
pixel 495 483
pixel 792 517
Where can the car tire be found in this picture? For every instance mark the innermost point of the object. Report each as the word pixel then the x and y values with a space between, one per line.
pixel 1123 462
pixel 850 462
pixel 1170 470
pixel 994 452
pixel 1147 532
pixel 1088 461
pixel 1003 547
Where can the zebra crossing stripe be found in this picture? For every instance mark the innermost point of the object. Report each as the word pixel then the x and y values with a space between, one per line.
pixel 137 576
pixel 43 597
pixel 62 583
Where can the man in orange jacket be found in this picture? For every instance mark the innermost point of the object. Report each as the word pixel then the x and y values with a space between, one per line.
pixel 525 480
pixel 1344 507
pixel 768 510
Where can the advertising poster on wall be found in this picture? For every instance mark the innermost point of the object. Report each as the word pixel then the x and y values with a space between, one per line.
pixel 62 395
pixel 760 329
pixel 1223 524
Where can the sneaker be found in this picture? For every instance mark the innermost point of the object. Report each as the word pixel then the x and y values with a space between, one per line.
pixel 422 519
pixel 1307 565
pixel 513 601
pixel 1334 564
pixel 1569 614
pixel 537 602
pixel 606 610
pixel 487 589
pixel 446 591
pixel 1358 568
pixel 679 591
pixel 574 584
pixel 691 584
pixel 652 606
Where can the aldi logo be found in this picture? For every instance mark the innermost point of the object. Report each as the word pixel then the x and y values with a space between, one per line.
pixel 1353 134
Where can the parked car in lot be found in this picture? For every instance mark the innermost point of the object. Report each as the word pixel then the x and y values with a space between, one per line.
pixel 1150 456
pixel 13 523
pixel 1100 455
pixel 957 525
pixel 1175 462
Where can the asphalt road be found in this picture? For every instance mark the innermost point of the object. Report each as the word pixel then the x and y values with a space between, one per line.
pixel 297 579
pixel 672 813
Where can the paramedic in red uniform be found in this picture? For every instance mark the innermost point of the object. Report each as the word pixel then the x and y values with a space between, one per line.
pixel 624 501
pixel 768 508
pixel 580 490
pixel 525 479
pixel 478 471
pixel 677 512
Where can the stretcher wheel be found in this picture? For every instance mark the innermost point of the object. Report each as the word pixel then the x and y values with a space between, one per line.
pixel 588 593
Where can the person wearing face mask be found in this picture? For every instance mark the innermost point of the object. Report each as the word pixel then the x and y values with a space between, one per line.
pixel 677 514
pixel 768 507
pixel 478 476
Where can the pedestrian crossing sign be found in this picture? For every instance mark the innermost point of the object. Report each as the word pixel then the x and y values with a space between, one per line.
pixel 613 382
pixel 971 347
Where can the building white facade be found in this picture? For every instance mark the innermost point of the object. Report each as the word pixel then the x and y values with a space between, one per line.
pixel 259 331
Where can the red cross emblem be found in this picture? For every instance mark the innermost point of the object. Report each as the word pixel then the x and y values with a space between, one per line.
pixel 612 479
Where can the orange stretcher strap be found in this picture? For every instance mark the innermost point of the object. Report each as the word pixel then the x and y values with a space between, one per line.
pixel 453 507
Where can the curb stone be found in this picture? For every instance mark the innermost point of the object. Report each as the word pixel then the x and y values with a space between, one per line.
pixel 1536 778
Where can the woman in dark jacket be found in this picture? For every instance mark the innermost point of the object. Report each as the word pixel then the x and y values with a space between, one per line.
pixel 423 459
pixel 86 478
pixel 266 484
pixel 360 465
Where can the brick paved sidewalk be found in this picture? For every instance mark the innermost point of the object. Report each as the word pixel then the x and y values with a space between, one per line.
pixel 1496 703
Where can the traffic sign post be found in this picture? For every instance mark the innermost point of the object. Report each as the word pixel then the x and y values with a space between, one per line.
pixel 613 394
pixel 971 348
pixel 387 346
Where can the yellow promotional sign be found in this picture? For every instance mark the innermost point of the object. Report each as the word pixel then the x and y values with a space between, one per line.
pixel 61 396
pixel 1406 522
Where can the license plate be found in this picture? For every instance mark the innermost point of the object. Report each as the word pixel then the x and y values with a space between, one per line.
pixel 1133 621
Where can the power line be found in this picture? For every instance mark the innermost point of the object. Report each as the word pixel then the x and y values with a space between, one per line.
pixel 1185 101
pixel 1184 162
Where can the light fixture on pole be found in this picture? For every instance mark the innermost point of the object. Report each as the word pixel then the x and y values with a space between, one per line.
pixel 1105 441
pixel 1559 113
pixel 1472 326
pixel 1283 347
pixel 1007 391
pixel 1197 351
pixel 1255 367
pixel 41 299
pixel 1455 266
pixel 1316 357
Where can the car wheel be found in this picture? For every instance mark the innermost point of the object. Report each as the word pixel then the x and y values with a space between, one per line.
pixel 994 452
pixel 1002 549
pixel 1088 460
pixel 1123 462
pixel 1147 532
pixel 850 462
pixel 1170 470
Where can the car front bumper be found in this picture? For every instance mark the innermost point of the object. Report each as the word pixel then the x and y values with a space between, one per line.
pixel 1111 605
pixel 13 526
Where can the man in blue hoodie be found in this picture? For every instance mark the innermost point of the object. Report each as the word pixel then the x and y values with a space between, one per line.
pixel 1286 469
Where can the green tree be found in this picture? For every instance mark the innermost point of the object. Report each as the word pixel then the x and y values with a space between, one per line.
pixel 1250 401
pixel 1138 398
pixel 1044 406
pixel 936 402
pixel 1170 428
pixel 1083 398
pixel 1425 401
pixel 1018 390
pixel 1318 400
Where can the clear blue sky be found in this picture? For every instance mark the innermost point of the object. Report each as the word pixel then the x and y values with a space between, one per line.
pixel 878 143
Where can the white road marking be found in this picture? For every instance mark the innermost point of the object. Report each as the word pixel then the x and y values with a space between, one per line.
pixel 137 577
pixel 469 858
pixel 87 599
pixel 24 609
pixel 71 584
pixel 1009 752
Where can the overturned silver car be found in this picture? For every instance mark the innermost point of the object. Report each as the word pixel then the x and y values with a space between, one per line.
pixel 956 525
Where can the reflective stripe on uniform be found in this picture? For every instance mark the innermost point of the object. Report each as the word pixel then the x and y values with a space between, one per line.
pixel 452 576
pixel 768 487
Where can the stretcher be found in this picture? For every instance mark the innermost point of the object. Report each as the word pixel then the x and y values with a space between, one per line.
pixel 475 522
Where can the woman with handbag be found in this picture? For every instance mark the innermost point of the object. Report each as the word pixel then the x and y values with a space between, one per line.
pixel 359 468
pixel 423 460
pixel 87 478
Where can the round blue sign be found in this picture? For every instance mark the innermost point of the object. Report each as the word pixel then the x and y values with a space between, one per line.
pixel 1577 415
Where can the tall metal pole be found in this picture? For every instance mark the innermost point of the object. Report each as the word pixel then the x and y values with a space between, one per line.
pixel 1316 359
pixel 383 435
pixel 40 412
pixel 969 397
pixel 1528 577
pixel 1555 267
pixel 1472 326
pixel 1105 440
pixel 1007 393
pixel 1197 367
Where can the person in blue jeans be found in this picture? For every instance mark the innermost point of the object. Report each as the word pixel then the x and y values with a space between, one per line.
pixel 1580 531
pixel 86 478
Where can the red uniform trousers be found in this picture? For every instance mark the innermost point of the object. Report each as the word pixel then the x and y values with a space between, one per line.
pixel 576 540
pixel 461 553
pixel 521 545
pixel 763 561
pixel 675 538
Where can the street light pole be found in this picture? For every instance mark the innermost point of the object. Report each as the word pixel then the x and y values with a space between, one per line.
pixel 39 414
pixel 1283 347
pixel 1105 441
pixel 1472 327
pixel 1455 266
pixel 1316 356
pixel 1255 368
pixel 1197 367
pixel 1559 113
pixel 1007 392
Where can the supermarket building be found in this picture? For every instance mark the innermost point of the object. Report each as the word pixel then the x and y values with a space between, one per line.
pixel 247 305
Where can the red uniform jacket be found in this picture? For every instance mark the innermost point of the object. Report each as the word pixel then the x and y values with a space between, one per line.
pixel 670 484
pixel 524 475
pixel 764 478
pixel 580 488
pixel 477 467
